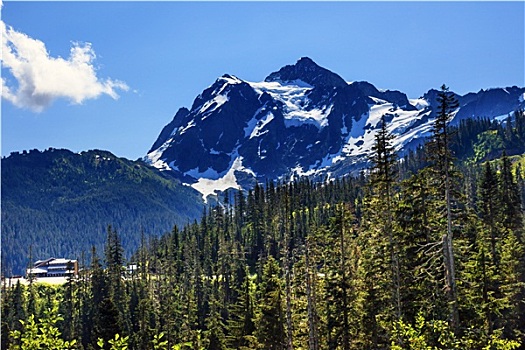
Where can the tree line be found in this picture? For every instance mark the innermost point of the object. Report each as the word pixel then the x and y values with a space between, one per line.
pixel 428 257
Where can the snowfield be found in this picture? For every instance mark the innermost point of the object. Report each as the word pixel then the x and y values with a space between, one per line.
pixel 297 106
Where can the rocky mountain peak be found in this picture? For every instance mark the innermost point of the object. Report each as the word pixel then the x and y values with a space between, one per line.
pixel 303 120
pixel 306 70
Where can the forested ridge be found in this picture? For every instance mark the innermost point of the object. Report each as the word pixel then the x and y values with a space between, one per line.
pixel 426 252
pixel 59 203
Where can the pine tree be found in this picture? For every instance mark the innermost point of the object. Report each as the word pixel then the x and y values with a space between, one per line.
pixel 382 181
pixel 285 225
pixel 513 288
pixel 418 216
pixel 341 271
pixel 68 307
pixel 489 205
pixel 512 255
pixel 192 290
pixel 241 326
pixel 510 197
pixel 104 318
pixel 215 326
pixel 490 245
pixel 442 158
pixel 270 321
pixel 114 259
pixel 13 311
pixel 311 292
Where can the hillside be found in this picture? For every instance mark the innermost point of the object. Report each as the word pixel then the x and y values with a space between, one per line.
pixel 60 203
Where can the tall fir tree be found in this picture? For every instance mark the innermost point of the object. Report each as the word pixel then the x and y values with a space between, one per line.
pixel 383 179
pixel 441 156
pixel 104 318
pixel 270 320
pixel 341 274
pixel 114 259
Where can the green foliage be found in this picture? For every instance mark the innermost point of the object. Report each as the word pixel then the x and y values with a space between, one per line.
pixel 43 334
pixel 481 140
pixel 117 343
pixel 436 334
pixel 158 343
pixel 488 144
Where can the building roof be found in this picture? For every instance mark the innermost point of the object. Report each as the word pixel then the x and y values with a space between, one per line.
pixel 37 270
pixel 54 261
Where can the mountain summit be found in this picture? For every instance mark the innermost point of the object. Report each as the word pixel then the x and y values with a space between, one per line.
pixel 302 120
pixel 307 71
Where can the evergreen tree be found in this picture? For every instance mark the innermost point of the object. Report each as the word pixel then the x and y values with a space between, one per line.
pixel 270 320
pixel 69 307
pixel 341 273
pixel 13 311
pixel 241 326
pixel 512 255
pixel 489 205
pixel 104 318
pixel 311 295
pixel 512 282
pixel 382 181
pixel 510 197
pixel 418 216
pixel 489 246
pixel 442 158
pixel 215 325
pixel 114 258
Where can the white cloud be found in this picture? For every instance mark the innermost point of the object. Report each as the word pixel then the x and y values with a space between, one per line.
pixel 41 79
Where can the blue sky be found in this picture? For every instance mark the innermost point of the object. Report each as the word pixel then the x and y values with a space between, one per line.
pixel 145 60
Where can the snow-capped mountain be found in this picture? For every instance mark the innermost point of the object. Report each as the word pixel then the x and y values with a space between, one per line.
pixel 302 120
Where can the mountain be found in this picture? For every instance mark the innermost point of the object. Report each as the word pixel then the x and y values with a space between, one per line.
pixel 302 120
pixel 60 203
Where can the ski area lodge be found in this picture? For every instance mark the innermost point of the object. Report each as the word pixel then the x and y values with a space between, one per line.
pixel 54 267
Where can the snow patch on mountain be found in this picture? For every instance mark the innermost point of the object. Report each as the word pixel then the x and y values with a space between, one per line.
pixel 216 102
pixel 380 108
pixel 154 157
pixel 214 184
pixel 299 172
pixel 362 136
pixel 255 127
pixel 355 137
pixel 319 167
pixel 419 103
pixel 229 80
pixel 421 132
pixel 209 173
pixel 294 97
pixel 403 120
pixel 189 125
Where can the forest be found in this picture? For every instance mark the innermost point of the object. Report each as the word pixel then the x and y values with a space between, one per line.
pixel 59 203
pixel 424 251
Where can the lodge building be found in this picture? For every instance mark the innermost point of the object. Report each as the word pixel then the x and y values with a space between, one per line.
pixel 54 267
